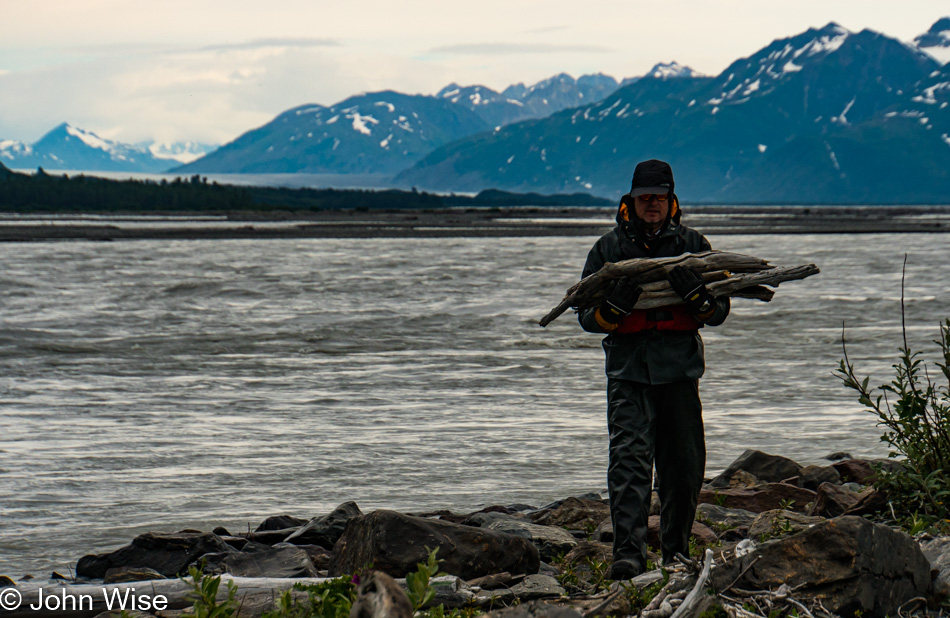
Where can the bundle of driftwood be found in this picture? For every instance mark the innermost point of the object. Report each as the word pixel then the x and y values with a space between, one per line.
pixel 725 274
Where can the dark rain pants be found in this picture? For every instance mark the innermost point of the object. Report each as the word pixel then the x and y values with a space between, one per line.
pixel 647 423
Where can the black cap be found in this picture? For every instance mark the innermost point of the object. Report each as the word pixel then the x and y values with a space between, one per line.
pixel 652 176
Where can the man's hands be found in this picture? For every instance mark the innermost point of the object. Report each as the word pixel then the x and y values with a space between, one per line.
pixel 620 302
pixel 691 289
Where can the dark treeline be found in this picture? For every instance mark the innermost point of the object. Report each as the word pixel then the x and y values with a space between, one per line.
pixel 42 192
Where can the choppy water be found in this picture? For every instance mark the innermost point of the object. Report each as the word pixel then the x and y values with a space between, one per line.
pixel 161 385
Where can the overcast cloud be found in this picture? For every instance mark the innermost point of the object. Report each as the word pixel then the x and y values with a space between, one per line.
pixel 209 70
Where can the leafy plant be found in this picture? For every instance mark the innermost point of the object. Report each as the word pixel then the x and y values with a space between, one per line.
pixel 916 426
pixel 417 584
pixel 204 593
pixel 329 599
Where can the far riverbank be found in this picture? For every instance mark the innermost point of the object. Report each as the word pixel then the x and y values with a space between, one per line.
pixel 524 221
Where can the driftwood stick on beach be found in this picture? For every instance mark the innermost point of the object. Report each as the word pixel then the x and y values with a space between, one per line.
pixel 725 274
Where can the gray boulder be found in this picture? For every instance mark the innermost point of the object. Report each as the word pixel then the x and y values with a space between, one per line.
pixel 535 609
pixel 537 586
pixel 847 563
pixel 765 467
pixel 937 552
pixel 723 518
pixel 287 561
pixel 778 523
pixel 812 476
pixel 760 498
pixel 280 522
pixel 394 543
pixel 325 531
pixel 833 500
pixel 167 553
pixel 550 541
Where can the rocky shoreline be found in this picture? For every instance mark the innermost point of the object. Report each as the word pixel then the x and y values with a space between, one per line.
pixel 775 536
pixel 465 222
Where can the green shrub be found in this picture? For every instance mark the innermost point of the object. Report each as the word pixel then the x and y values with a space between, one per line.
pixel 915 413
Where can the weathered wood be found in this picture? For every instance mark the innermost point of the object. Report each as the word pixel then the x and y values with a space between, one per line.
pixel 692 600
pixel 726 274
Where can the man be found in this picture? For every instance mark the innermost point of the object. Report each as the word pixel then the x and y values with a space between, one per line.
pixel 654 362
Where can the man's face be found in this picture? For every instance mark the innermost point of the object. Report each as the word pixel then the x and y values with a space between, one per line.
pixel 651 210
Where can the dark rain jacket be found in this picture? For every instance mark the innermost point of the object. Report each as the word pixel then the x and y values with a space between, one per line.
pixel 650 356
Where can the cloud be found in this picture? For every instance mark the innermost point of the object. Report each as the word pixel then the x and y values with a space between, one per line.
pixel 494 49
pixel 272 42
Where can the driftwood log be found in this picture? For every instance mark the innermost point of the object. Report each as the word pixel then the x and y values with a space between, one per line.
pixel 725 274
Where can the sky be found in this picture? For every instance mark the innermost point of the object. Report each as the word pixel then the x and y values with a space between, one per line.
pixel 209 70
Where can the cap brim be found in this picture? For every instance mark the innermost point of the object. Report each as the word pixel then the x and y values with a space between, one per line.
pixel 644 190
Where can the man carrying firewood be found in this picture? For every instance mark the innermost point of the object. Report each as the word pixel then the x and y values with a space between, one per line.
pixel 654 362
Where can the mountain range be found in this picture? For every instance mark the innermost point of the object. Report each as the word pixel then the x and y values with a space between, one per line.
pixel 827 115
pixel 824 116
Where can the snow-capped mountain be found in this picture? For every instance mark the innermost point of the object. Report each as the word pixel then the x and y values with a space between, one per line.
pixel 379 132
pixel 520 102
pixel 560 92
pixel 664 70
pixel 936 41
pixel 825 116
pixel 70 148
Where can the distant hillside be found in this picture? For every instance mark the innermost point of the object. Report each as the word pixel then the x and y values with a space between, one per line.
pixel 827 116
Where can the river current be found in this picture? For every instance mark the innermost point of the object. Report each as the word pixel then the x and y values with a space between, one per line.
pixel 156 385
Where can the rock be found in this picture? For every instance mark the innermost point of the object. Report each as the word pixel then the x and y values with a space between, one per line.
pixel 761 498
pixel 271 537
pixel 535 609
pixel 741 478
pixel 379 596
pixel 573 513
pixel 812 476
pixel 168 553
pixel 6 582
pixel 604 533
pixel 319 556
pixel 765 467
pixel 496 580
pixel 848 563
pixel 833 500
pixel 325 531
pixel 937 552
pixel 550 541
pixel 589 551
pixel 280 522
pixel 856 470
pixel 837 455
pixel 537 586
pixel 870 501
pixel 287 561
pixel 722 518
pixel 778 523
pixel 237 542
pixel 395 543
pixel 119 575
